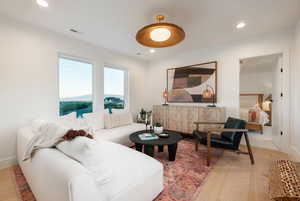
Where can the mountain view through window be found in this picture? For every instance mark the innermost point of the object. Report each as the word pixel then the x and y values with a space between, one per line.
pixel 75 87
pixel 114 88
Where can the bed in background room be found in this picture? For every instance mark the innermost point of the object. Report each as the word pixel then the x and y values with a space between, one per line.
pixel 253 111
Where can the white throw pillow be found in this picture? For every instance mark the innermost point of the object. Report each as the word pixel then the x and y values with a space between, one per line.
pixel 94 120
pixel 71 121
pixel 120 111
pixel 117 120
pixel 87 152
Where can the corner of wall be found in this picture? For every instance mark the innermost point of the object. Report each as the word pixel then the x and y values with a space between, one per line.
pixel 7 162
pixel 294 154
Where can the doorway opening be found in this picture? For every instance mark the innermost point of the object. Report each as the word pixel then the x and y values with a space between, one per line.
pixel 261 101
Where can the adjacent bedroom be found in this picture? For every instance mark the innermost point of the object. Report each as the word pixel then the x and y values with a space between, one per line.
pixel 260 98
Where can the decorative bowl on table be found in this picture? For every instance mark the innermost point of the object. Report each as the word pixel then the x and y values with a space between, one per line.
pixel 163 135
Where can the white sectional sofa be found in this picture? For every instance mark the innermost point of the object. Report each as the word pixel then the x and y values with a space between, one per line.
pixel 119 135
pixel 119 132
pixel 54 176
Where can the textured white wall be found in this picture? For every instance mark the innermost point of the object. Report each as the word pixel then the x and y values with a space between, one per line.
pixel 256 82
pixel 29 77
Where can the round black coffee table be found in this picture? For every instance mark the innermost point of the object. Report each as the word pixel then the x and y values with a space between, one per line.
pixel 148 145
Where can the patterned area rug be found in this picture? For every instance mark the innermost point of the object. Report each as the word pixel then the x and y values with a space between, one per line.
pixel 182 178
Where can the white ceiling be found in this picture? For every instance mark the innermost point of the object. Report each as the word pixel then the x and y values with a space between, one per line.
pixel 113 23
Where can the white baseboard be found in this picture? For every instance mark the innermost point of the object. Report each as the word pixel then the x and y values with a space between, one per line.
pixel 7 162
pixel 294 154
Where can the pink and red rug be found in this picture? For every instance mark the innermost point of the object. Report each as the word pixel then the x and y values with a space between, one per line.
pixel 182 178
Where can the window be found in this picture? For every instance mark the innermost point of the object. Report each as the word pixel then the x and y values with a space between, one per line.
pixel 75 87
pixel 114 88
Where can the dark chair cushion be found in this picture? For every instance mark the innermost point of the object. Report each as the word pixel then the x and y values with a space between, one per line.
pixel 216 140
pixel 227 140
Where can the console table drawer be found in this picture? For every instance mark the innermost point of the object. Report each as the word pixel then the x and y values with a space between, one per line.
pixel 182 118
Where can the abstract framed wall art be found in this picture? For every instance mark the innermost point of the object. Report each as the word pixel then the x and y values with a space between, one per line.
pixel 193 84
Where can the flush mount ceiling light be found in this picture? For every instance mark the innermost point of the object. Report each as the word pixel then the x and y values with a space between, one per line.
pixel 240 25
pixel 42 3
pixel 160 34
pixel 152 50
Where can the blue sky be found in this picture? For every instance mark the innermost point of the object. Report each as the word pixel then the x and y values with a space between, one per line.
pixel 75 79
pixel 113 82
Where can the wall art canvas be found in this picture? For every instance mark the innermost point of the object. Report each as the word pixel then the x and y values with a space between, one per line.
pixel 187 84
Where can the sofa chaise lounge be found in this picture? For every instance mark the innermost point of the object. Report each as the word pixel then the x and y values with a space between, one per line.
pixel 54 176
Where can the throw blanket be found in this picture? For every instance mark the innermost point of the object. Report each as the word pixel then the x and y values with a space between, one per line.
pixel 50 134
pixel 76 144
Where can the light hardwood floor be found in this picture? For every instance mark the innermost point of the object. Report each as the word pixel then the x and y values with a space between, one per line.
pixel 235 179
pixel 7 186
pixel 232 179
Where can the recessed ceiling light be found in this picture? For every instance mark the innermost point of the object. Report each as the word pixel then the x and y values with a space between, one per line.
pixel 240 25
pixel 152 50
pixel 42 3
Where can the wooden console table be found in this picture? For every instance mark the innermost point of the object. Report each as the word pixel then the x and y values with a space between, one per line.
pixel 181 118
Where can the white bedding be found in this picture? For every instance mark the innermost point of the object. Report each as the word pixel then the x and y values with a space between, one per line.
pixel 263 116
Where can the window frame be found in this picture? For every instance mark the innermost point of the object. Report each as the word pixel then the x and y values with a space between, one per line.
pixel 78 59
pixel 126 82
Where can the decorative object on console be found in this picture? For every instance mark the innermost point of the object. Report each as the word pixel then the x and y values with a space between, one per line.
pixel 189 84
pixel 165 96
pixel 145 117
pixel 143 114
pixel 209 93
pixel 160 34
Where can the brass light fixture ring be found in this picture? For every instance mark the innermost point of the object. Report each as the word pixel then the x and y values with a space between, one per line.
pixel 177 35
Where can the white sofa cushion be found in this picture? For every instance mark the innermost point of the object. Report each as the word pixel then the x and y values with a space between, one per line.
pixel 130 170
pixel 117 120
pixel 86 151
pixel 94 120
pixel 119 135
